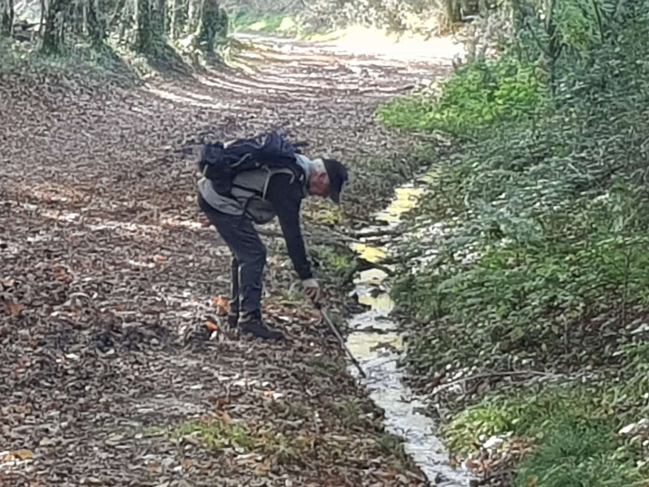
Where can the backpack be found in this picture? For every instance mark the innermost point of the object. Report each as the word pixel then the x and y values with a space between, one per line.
pixel 220 163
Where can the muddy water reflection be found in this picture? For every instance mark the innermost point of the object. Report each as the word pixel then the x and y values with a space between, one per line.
pixel 377 344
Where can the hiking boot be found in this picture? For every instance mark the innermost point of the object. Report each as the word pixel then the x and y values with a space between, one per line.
pixel 252 323
pixel 233 319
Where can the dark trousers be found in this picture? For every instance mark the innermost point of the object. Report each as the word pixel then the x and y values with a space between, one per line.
pixel 248 257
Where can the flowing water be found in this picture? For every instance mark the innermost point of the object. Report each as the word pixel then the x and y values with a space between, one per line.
pixel 377 344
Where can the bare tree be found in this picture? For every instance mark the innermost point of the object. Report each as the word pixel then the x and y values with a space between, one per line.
pixel 144 35
pixel 95 22
pixel 178 18
pixel 159 17
pixel 211 24
pixel 6 17
pixel 54 28
pixel 41 23
pixel 194 9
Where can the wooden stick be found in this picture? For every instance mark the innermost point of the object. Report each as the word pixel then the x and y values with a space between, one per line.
pixel 491 375
pixel 335 331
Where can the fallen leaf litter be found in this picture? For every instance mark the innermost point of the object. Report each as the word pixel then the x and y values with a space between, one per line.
pixel 108 281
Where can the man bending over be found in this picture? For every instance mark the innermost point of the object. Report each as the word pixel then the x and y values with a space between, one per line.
pixel 258 195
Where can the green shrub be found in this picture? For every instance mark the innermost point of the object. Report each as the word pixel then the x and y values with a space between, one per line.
pixel 580 454
pixel 465 430
pixel 543 260
pixel 571 437
pixel 475 96
pixel 527 414
pixel 274 23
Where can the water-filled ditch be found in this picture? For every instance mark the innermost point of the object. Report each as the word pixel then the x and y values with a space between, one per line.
pixel 377 343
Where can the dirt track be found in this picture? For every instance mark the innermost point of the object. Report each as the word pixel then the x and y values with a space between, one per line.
pixel 108 277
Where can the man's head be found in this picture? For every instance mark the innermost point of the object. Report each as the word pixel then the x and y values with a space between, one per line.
pixel 328 177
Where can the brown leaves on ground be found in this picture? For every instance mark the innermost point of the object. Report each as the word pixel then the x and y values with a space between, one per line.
pixel 12 308
pixel 221 304
pixel 109 277
pixel 211 326
pixel 17 455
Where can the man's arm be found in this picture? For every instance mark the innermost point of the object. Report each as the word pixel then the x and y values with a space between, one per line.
pixel 286 198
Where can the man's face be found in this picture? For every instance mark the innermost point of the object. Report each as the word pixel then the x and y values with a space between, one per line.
pixel 319 184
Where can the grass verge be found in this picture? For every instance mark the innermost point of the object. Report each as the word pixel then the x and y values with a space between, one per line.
pixel 560 435
pixel 534 234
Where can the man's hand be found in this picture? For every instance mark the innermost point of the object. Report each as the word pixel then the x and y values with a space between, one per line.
pixel 312 290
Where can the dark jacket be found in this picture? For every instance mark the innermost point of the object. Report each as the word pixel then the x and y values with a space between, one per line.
pixel 282 195
pixel 286 197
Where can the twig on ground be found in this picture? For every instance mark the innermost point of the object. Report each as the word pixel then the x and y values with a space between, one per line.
pixel 376 233
pixel 490 375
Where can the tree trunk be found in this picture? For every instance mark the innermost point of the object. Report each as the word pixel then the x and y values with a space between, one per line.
pixel 179 17
pixel 158 17
pixel 82 27
pixel 194 9
pixel 453 12
pixel 78 17
pixel 172 20
pixel 483 8
pixel 209 26
pixel 41 23
pixel 53 33
pixel 119 20
pixel 7 17
pixel 96 27
pixel 116 17
pixel 144 34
